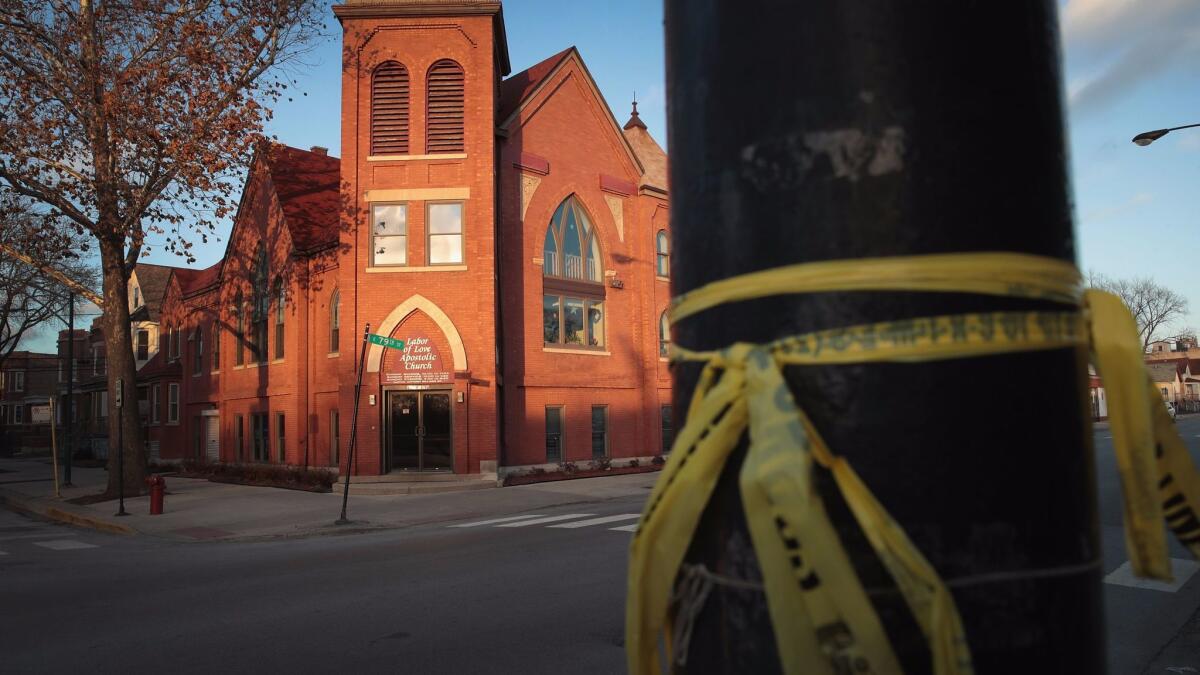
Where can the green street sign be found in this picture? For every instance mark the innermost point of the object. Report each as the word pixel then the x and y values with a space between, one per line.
pixel 382 341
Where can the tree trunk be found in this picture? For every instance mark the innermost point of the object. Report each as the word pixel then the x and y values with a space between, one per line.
pixel 118 348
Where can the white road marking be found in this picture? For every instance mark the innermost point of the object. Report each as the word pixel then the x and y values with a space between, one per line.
pixel 44 535
pixel 625 528
pixel 598 521
pixel 1182 570
pixel 547 519
pixel 498 520
pixel 63 544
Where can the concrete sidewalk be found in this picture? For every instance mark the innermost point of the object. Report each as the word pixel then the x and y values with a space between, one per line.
pixel 201 510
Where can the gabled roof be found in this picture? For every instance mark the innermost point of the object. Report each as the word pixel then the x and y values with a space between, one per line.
pixel 308 185
pixel 158 366
pixel 191 281
pixel 152 279
pixel 523 87
pixel 517 88
pixel 1162 372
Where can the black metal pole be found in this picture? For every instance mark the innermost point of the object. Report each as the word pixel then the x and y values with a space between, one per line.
pixel 68 434
pixel 362 359
pixel 120 397
pixel 827 130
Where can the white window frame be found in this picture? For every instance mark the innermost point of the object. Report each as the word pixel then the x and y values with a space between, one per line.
pixel 155 403
pixel 18 380
pixel 371 226
pixel 18 414
pixel 461 234
pixel 173 400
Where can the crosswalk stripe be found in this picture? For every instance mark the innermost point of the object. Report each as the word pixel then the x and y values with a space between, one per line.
pixel 43 535
pixel 498 520
pixel 547 519
pixel 598 521
pixel 625 528
pixel 63 544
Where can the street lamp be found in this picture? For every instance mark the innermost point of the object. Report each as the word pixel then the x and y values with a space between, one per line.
pixel 1148 137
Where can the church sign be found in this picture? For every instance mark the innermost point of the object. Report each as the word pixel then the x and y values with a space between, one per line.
pixel 418 363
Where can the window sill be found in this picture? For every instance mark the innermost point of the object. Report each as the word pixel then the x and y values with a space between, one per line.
pixel 173 424
pixel 410 158
pixel 664 359
pixel 333 355
pixel 659 277
pixel 582 352
pixel 214 372
pixel 276 362
pixel 427 268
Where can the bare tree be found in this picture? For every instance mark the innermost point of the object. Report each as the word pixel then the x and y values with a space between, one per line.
pixel 32 294
pixel 135 120
pixel 1154 307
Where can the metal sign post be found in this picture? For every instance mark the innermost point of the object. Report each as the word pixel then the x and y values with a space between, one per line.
pixel 54 449
pixel 362 359
pixel 117 403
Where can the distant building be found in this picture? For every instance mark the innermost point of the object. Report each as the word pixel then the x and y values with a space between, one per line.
pixel 26 384
pixel 1172 349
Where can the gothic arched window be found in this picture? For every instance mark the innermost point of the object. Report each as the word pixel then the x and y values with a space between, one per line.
pixel 572 269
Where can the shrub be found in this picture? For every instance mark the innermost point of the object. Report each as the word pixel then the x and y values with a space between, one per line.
pixel 568 467
pixel 658 460
pixel 602 463
pixel 634 462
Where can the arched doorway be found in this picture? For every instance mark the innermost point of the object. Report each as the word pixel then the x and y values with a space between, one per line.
pixel 417 387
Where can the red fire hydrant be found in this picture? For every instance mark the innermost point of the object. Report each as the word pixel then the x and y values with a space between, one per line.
pixel 158 487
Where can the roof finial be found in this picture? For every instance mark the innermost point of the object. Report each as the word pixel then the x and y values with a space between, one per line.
pixel 634 120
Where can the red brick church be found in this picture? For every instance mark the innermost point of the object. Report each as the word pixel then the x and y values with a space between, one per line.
pixel 506 228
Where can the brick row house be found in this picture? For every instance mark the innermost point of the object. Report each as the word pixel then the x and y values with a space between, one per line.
pixel 508 231
pixel 27 381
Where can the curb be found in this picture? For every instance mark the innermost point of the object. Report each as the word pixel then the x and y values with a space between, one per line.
pixel 29 507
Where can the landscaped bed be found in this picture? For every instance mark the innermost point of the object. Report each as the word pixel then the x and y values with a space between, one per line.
pixel 260 475
pixel 570 471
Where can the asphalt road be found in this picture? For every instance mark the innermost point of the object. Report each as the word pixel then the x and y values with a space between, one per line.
pixel 516 596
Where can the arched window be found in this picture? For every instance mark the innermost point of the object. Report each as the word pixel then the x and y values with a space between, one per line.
pixel 664 335
pixel 389 109
pixel 335 320
pixel 663 246
pixel 573 300
pixel 445 108
pixel 261 302
pixel 197 350
pixel 280 313
pixel 239 320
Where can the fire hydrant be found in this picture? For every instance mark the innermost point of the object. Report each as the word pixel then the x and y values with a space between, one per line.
pixel 158 487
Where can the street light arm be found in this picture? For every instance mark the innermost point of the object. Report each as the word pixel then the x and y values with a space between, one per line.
pixel 1147 137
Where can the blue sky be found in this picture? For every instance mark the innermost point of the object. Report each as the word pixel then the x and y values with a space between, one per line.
pixel 1131 66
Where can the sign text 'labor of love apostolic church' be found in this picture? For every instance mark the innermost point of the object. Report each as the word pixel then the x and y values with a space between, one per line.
pixel 417 362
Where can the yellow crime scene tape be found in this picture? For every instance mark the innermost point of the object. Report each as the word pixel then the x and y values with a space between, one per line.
pixel 823 620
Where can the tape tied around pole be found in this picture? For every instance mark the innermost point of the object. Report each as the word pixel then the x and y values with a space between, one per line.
pixel 820 614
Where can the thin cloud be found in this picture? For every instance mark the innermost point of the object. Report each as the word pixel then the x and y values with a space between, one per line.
pixel 1104 213
pixel 1115 45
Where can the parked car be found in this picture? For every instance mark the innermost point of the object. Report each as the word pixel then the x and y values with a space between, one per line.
pixel 1170 409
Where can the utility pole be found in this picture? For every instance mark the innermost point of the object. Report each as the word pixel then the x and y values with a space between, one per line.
pixel 68 433
pixel 824 130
